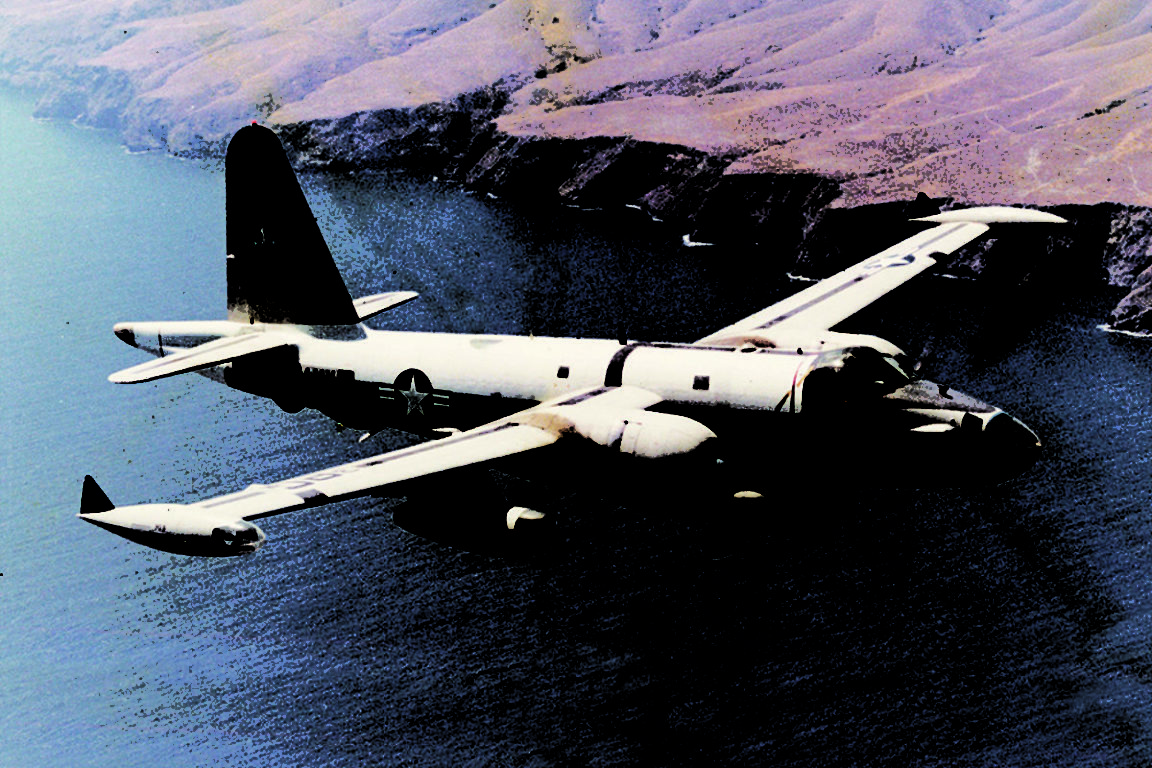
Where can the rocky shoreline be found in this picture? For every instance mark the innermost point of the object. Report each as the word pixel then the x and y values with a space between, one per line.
pixel 803 131
pixel 1107 246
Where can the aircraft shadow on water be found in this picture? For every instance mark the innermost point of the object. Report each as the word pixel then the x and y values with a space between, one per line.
pixel 734 412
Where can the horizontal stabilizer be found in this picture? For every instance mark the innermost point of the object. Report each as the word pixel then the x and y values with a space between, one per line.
pixel 370 306
pixel 198 357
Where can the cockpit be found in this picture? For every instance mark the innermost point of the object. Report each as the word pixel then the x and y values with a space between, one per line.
pixel 847 377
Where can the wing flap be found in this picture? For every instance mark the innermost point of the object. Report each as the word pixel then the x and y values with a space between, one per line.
pixel 201 356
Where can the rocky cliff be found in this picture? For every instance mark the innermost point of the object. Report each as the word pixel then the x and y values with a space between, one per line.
pixel 789 216
pixel 741 121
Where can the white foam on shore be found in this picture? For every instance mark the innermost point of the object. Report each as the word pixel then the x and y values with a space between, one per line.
pixel 1134 334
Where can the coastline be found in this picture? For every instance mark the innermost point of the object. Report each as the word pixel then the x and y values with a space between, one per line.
pixel 793 219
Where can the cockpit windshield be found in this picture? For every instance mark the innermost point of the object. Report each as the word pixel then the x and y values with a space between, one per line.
pixel 851 375
pixel 884 371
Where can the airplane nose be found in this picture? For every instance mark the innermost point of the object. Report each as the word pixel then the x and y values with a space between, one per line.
pixel 1010 442
pixel 1010 432
pixel 125 334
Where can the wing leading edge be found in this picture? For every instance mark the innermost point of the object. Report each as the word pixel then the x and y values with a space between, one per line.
pixel 821 306
pixel 534 428
pixel 361 478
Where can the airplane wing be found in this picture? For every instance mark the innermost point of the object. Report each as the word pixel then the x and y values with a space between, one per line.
pixel 219 526
pixel 361 478
pixel 536 427
pixel 821 306
pixel 201 356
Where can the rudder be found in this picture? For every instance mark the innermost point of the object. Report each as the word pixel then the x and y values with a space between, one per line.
pixel 279 267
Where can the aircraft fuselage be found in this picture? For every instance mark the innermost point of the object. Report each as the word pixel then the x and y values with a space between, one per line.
pixel 856 400
pixel 441 369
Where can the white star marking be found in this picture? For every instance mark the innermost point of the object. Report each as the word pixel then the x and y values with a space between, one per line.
pixel 414 397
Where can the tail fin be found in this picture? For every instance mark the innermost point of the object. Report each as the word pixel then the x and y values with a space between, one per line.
pixel 279 268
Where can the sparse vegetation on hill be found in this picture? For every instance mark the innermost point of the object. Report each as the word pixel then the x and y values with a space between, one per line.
pixel 984 101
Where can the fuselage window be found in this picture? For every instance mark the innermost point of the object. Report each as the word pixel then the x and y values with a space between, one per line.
pixel 562 373
pixel 700 382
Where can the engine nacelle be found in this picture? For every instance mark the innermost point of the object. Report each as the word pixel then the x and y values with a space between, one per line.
pixel 807 341
pixel 179 529
pixel 642 433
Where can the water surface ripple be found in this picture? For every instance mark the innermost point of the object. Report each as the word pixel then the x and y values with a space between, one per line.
pixel 837 625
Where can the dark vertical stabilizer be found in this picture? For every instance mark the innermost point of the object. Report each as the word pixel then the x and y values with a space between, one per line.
pixel 279 268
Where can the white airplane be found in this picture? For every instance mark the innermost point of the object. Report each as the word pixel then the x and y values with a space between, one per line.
pixel 773 384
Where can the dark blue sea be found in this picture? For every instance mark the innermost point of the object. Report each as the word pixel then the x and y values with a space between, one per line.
pixel 839 624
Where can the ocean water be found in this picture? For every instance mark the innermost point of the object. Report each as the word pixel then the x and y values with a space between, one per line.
pixel 840 625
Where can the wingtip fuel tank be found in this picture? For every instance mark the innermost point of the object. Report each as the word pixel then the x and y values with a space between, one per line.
pixel 175 528
pixel 994 214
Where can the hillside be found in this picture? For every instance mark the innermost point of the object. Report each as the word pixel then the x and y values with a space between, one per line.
pixel 1024 101
pixel 1034 102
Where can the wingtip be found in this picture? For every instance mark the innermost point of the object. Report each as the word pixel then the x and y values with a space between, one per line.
pixel 129 376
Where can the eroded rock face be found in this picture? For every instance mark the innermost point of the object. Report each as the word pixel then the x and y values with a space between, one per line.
pixel 748 124
pixel 784 220
pixel 1130 242
pixel 985 101
pixel 1134 312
